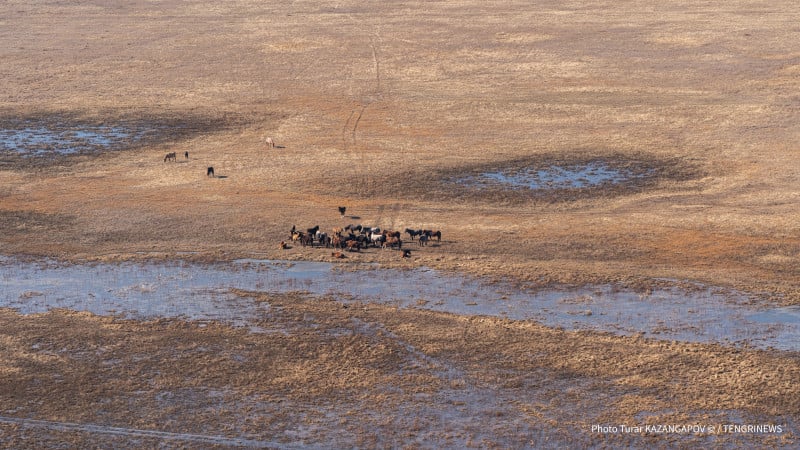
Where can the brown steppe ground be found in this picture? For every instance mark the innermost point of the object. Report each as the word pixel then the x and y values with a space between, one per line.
pixel 372 105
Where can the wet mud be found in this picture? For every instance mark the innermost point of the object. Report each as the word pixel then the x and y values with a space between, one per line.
pixel 320 373
pixel 591 175
pixel 550 178
pixel 54 138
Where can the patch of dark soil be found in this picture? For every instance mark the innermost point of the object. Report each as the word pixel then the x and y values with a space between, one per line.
pixel 543 178
pixel 46 139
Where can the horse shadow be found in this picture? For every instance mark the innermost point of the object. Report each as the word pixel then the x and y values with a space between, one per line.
pixel 355 217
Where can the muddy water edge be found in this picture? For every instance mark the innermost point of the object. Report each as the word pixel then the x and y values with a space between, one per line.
pixel 52 138
pixel 310 368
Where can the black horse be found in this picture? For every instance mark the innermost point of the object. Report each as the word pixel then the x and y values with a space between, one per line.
pixel 413 233
pixel 210 172
pixel 342 209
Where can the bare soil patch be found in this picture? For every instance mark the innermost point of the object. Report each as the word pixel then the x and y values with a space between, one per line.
pixel 58 139
pixel 634 174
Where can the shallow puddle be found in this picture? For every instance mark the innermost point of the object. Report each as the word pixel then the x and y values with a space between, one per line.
pixel 40 140
pixel 589 175
pixel 202 291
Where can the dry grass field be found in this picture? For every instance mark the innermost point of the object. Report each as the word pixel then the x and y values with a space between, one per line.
pixel 379 106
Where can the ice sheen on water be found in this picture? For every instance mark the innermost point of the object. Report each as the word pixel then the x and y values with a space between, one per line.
pixel 202 291
pixel 593 174
pixel 41 140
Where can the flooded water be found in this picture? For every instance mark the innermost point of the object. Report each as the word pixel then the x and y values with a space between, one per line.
pixel 202 291
pixel 592 174
pixel 32 139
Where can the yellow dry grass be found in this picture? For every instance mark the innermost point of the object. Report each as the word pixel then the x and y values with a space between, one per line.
pixel 369 103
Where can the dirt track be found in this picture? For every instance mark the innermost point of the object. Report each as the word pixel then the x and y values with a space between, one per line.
pixel 373 105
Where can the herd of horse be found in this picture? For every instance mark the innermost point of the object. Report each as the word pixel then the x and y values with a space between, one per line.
pixel 172 156
pixel 354 238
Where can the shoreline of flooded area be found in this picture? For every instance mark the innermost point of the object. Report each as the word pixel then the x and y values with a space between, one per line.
pixel 195 291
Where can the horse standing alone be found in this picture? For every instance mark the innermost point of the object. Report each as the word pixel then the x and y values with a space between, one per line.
pixel 210 172
pixel 270 143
